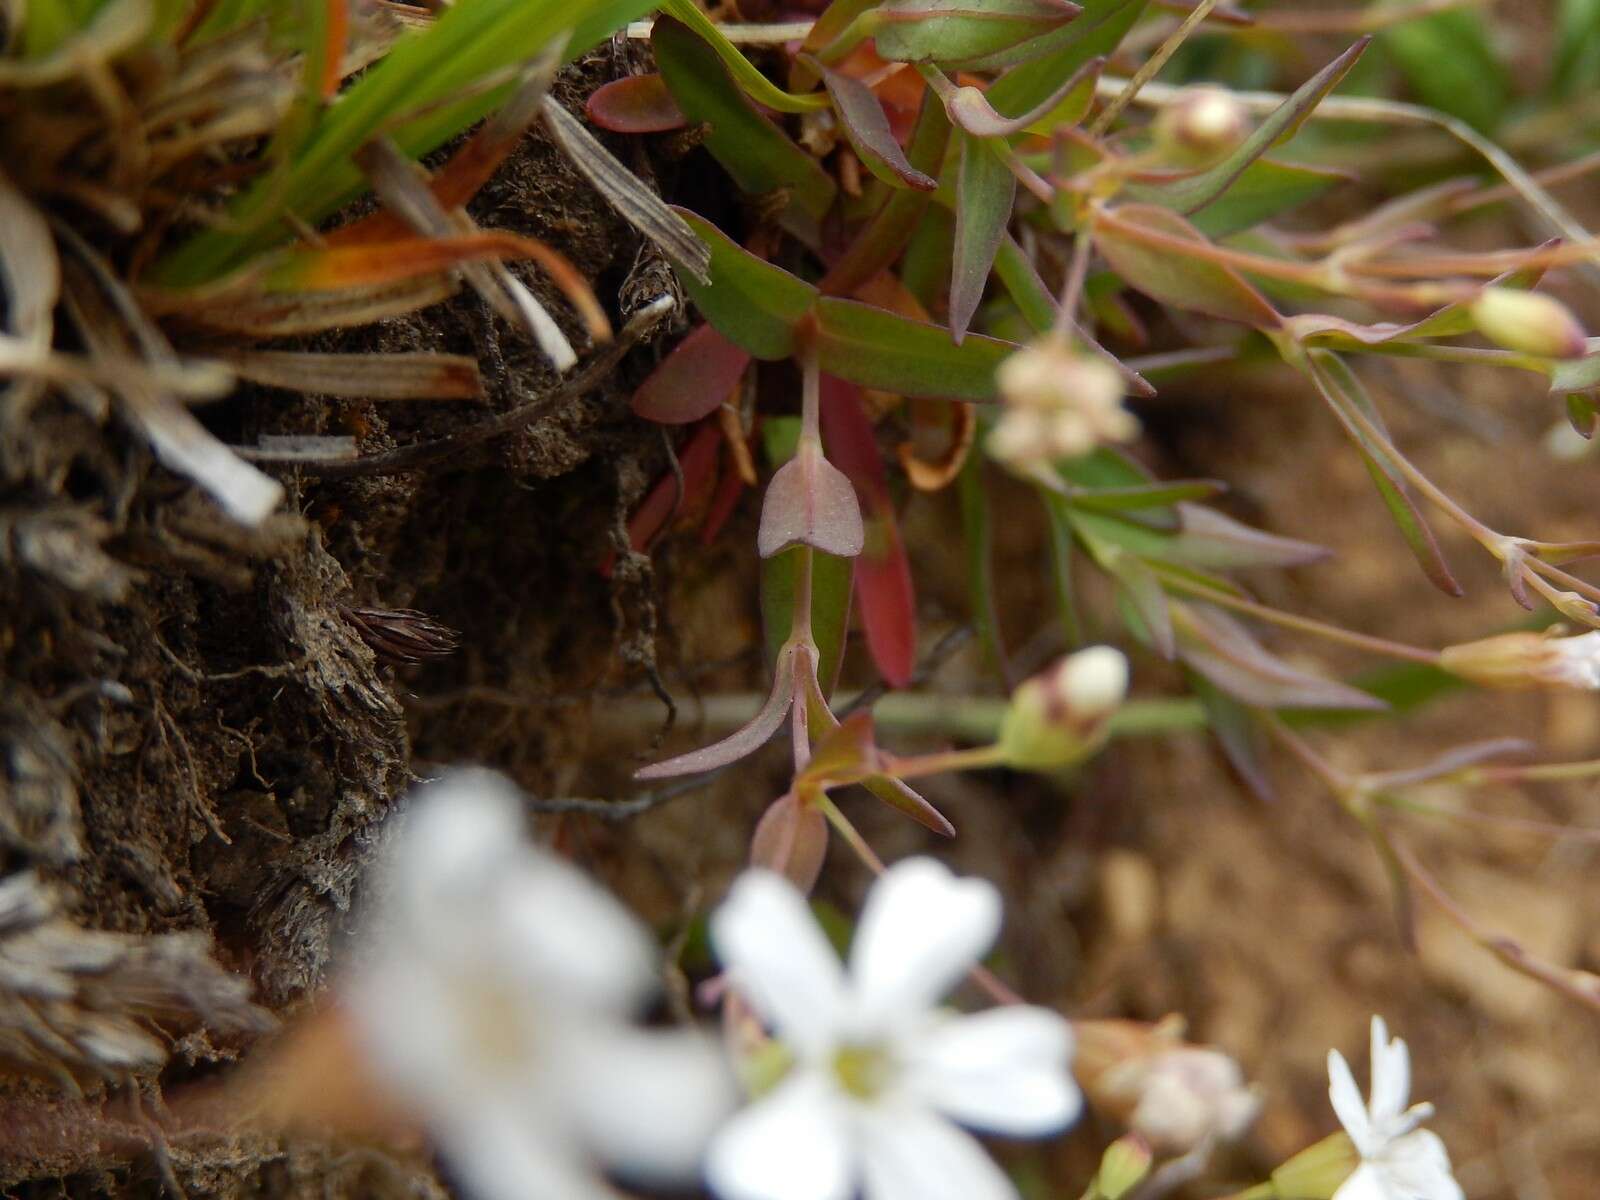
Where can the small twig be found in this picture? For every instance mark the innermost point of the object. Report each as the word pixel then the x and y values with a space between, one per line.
pixel 422 455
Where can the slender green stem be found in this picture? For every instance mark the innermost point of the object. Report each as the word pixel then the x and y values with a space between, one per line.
pixel 1310 625
pixel 1151 66
pixel 974 758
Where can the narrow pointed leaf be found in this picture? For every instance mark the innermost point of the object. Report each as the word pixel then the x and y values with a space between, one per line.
pixel 1213 540
pixel 1095 33
pixel 867 127
pixel 985 192
pixel 1162 255
pixel 1143 591
pixel 741 743
pixel 844 754
pixel 1226 653
pixel 1263 191
pixel 880 349
pixel 977 535
pixel 1344 393
pixel 637 104
pixel 755 152
pixel 1238 733
pixel 830 607
pixel 905 799
pixel 1061 555
pixel 740 69
pixel 693 380
pixel 1193 193
pixel 752 303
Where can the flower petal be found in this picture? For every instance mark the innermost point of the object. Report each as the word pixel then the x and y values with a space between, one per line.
pixel 790 1145
pixel 646 1102
pixel 909 1153
pixel 1391 1075
pixel 1348 1105
pixel 1366 1182
pixel 502 1153
pixel 1005 1070
pixel 1418 1165
pixel 920 931
pixel 776 954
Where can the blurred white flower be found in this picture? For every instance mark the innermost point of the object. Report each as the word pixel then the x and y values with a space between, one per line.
pixel 493 996
pixel 1528 660
pixel 1399 1161
pixel 1059 403
pixel 1184 1096
pixel 880 1075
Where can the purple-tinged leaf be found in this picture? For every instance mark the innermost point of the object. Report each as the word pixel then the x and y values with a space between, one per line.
pixel 1226 653
pixel 846 753
pixel 969 108
pixel 637 104
pixel 1159 253
pixel 1454 760
pixel 810 503
pixel 1214 540
pixel 882 571
pixel 743 741
pixel 1193 193
pixel 693 380
pixel 1347 399
pixel 1095 33
pixel 792 839
pixel 905 799
pixel 752 303
pixel 1238 734
pixel 1144 594
pixel 985 192
pixel 880 349
pixel 867 127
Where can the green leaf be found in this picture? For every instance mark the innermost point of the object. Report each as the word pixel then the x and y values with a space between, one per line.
pixel 1095 33
pixel 1238 733
pixel 1162 255
pixel 973 35
pixel 1028 292
pixel 880 349
pixel 1344 394
pixel 1577 55
pixel 1446 60
pixel 407 95
pixel 985 192
pixel 1151 495
pixel 752 303
pixel 1261 192
pixel 750 81
pixel 759 156
pixel 1061 553
pixel 1194 192
pixel 830 606
pixel 977 536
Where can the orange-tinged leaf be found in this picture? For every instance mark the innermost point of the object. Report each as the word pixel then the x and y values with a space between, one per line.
pixel 334 268
pixel 338 33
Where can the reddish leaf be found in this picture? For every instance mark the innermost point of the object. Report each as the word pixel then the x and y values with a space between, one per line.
pixel 882 571
pixel 637 104
pixel 743 741
pixel 693 380
pixel 730 490
pixel 791 838
pixel 867 127
pixel 810 502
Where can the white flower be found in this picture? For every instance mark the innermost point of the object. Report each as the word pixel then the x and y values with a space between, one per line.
pixel 1399 1161
pixel 1528 660
pixel 1185 1096
pixel 494 995
pixel 880 1075
pixel 1059 403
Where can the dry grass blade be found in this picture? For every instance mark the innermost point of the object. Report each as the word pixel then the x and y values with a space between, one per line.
pixel 32 276
pixel 292 315
pixel 625 192
pixel 405 192
pixel 178 439
pixel 390 376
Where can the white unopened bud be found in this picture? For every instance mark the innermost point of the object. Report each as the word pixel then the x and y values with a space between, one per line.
pixel 1521 661
pixel 1059 717
pixel 1201 125
pixel 1059 403
pixel 1530 322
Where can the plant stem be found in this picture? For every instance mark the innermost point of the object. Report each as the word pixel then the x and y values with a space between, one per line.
pixel 1150 67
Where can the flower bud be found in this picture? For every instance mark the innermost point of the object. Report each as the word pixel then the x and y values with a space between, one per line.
pixel 1318 1171
pixel 1060 716
pixel 1200 126
pixel 1174 1095
pixel 1530 322
pixel 1521 661
pixel 1059 403
pixel 1125 1163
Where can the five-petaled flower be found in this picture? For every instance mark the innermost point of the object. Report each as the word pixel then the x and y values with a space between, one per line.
pixel 1399 1161
pixel 880 1076
pixel 493 996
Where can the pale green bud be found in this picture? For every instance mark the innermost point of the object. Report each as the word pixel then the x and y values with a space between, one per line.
pixel 1125 1163
pixel 1318 1171
pixel 1530 322
pixel 1200 126
pixel 1059 717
